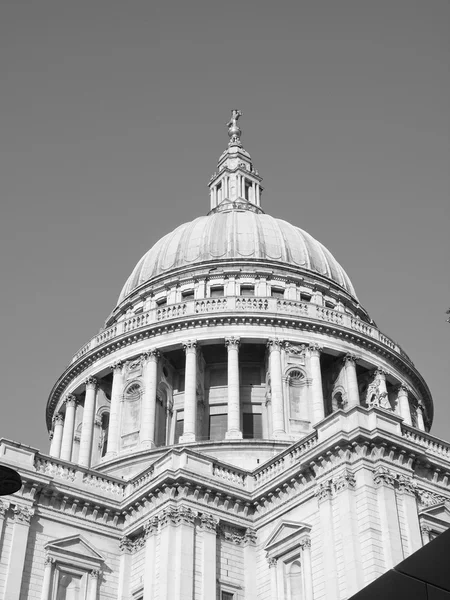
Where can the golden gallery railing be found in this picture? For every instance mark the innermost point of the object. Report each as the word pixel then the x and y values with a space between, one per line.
pixel 238 304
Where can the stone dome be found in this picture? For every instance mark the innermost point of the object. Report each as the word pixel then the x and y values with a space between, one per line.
pixel 236 235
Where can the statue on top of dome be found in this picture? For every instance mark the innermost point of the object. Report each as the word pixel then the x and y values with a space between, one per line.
pixel 234 131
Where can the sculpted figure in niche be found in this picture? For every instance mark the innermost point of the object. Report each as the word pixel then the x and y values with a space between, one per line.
pixel 376 394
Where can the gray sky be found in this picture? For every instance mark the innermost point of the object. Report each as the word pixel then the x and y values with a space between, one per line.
pixel 112 118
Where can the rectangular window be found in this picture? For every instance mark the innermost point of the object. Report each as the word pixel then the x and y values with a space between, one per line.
pixel 247 290
pixel 187 295
pixel 227 596
pixel 218 377
pixel 305 297
pixel 329 304
pixel 217 291
pixel 179 425
pixel 251 375
pixel 217 427
pixel 161 302
pixel 277 292
pixel 252 426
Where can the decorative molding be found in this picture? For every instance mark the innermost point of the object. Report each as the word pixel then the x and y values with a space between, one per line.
pixel 344 481
pixel 427 498
pixel 22 514
pixel 250 537
pixel 232 534
pixel 323 491
pixel 91 382
pixel 190 346
pixel 232 343
pixel 406 485
pixel 70 401
pixel 208 523
pixel 383 476
pixel 126 544
pixel 3 509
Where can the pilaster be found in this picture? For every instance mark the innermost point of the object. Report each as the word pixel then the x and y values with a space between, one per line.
pixel 208 532
pixel 22 519
pixel 150 533
pixel 387 506
pixel 407 496
pixel 323 494
pixel 250 564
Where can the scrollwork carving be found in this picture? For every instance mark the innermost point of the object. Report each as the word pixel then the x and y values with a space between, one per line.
pixel 91 382
pixel 232 343
pixel 125 544
pixel 406 485
pixel 344 481
pixel 208 523
pixel 323 491
pixel 71 401
pixel 22 514
pixel 383 476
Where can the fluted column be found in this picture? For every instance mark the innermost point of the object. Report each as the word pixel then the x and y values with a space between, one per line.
pixel 149 398
pixel 234 408
pixel 352 381
pixel 190 392
pixel 420 421
pixel 403 404
pixel 276 383
pixel 316 386
pixel 47 579
pixel 58 424
pixel 112 447
pixel 87 427
pixel 69 427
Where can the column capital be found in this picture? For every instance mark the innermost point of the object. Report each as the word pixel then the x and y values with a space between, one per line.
pixel 50 435
pixel 208 523
pixel 232 343
pixel 344 481
pixel 380 372
pixel 323 491
pixel 275 344
pixel 91 383
pixel 250 537
pixel 125 544
pixel 305 544
pixel 190 346
pixel 95 573
pixel 22 514
pixel 70 401
pixel 426 529
pixel 272 562
pixel 315 349
pixel 58 419
pixel 406 485
pixel 117 365
pixel 350 358
pixel 383 476
pixel 152 355
pixel 3 509
pixel 402 390
pixel 420 407
pixel 49 560
pixel 151 527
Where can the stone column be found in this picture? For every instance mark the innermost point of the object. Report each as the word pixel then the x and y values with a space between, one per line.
pixel 190 392
pixel 403 404
pixel 94 576
pixel 278 426
pixel 352 381
pixel 324 496
pixel 234 409
pixel 407 494
pixel 126 547
pixel 250 575
pixel 318 410
pixel 112 447
pixel 69 427
pixel 87 427
pixel 387 507
pixel 149 398
pixel 307 568
pixel 14 573
pixel 208 529
pixel 151 531
pixel 58 424
pixel 344 485
pixel 273 578
pixel 420 421
pixel 47 579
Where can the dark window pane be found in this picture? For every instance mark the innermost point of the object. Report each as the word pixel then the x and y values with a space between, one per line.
pixel 218 377
pixel 178 430
pixel 277 292
pixel 252 425
pixel 227 596
pixel 216 292
pixel 217 427
pixel 251 376
pixel 189 295
pixel 247 290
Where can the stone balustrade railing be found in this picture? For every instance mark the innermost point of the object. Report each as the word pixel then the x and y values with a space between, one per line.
pixel 432 445
pixel 239 304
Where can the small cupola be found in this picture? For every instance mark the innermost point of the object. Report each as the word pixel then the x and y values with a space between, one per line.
pixel 236 185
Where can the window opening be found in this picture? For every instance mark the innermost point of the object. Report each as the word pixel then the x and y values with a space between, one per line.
pixel 217 427
pixel 217 291
pixel 161 302
pixel 252 426
pixel 187 295
pixel 247 290
pixel 277 292
pixel 305 297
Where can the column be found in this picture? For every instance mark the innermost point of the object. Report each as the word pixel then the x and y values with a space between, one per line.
pixel 208 532
pixel 87 427
pixel 403 404
pixel 112 447
pixel 388 514
pixel 420 421
pixel 324 497
pixel 58 424
pixel 250 575
pixel 234 408
pixel 149 398
pixel 22 518
pixel 69 427
pixel 278 426
pixel 94 576
pixel 344 485
pixel 150 533
pixel 407 494
pixel 190 392
pixel 316 387
pixel 273 578
pixel 307 568
pixel 47 579
pixel 123 585
pixel 352 381
pixel 380 375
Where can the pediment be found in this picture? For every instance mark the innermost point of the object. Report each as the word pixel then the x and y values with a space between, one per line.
pixel 285 534
pixel 439 512
pixel 74 547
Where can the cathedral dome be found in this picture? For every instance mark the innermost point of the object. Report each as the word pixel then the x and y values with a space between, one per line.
pixel 236 235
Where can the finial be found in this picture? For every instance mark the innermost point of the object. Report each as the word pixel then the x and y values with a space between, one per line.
pixel 234 131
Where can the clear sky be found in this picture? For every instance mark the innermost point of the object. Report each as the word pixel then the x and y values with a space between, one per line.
pixel 112 118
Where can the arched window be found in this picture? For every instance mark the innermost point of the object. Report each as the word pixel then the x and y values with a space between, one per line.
pixel 161 419
pixel 294 581
pixel 131 417
pixel 104 426
pixel 298 405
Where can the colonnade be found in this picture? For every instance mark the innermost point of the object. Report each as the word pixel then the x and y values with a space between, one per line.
pixel 64 426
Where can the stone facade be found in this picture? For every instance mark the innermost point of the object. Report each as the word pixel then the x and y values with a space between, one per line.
pixel 239 430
